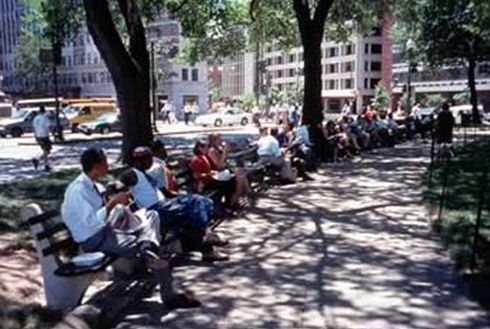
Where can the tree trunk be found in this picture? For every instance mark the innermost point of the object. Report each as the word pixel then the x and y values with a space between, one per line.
pixel 313 106
pixel 473 92
pixel 129 69
pixel 311 30
pixel 312 102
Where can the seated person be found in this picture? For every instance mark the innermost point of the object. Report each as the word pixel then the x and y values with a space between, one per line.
pixel 160 171
pixel 206 179
pixel 86 215
pixel 217 154
pixel 187 215
pixel 298 153
pixel 270 153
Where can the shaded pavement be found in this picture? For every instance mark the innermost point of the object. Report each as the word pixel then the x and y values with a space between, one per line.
pixel 351 250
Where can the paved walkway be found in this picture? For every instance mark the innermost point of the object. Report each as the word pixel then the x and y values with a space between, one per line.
pixel 352 250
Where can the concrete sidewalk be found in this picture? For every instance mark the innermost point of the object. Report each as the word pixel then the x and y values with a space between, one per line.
pixel 352 250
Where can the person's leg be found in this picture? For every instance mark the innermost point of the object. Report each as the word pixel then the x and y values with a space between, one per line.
pixel 46 151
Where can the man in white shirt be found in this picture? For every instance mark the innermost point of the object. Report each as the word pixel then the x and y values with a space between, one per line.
pixel 85 213
pixel 270 153
pixel 166 110
pixel 40 125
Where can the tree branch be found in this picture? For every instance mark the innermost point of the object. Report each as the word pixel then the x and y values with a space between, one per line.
pixel 107 38
pixel 252 8
pixel 302 12
pixel 136 31
pixel 321 13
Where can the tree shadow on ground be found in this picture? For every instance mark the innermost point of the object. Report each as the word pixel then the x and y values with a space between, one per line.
pixel 351 250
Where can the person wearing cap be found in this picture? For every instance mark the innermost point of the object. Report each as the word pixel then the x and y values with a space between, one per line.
pixel 86 214
pixel 186 215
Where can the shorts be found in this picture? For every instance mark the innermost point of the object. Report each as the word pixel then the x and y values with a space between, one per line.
pixel 45 143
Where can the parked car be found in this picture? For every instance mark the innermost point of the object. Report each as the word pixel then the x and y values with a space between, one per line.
pixel 230 116
pixel 16 127
pixel 86 112
pixel 104 124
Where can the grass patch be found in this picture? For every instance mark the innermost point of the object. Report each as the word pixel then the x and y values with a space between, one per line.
pixel 465 178
pixel 47 191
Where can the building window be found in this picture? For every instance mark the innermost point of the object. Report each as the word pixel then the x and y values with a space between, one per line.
pixel 195 75
pixel 348 49
pixel 374 83
pixel 279 60
pixel 347 67
pixel 348 83
pixel 366 83
pixel 291 72
pixel 332 52
pixel 333 68
pixel 269 61
pixel 279 74
pixel 292 58
pixel 332 84
pixel 185 74
pixel 376 49
pixel 366 48
pixel 375 66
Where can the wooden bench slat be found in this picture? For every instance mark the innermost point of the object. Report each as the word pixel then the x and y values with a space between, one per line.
pixel 42 218
pixel 59 246
pixel 51 231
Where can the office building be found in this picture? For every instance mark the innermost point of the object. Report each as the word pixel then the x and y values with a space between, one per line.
pixel 11 12
pixel 443 81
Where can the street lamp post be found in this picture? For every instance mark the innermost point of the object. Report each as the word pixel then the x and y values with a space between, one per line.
pixel 153 86
pixel 410 46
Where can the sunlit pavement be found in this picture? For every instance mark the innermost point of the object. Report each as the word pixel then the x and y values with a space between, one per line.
pixel 16 153
pixel 351 250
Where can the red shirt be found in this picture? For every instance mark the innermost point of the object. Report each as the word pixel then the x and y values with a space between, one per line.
pixel 200 165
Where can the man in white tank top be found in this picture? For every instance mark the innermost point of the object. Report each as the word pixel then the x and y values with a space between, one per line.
pixel 172 212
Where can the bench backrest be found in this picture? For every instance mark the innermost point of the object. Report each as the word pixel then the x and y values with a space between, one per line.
pixel 51 235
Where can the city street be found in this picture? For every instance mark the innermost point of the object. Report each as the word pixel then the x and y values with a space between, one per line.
pixel 16 153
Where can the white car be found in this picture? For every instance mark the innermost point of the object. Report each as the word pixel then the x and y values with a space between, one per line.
pixel 231 116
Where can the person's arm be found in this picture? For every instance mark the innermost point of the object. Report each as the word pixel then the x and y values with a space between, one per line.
pixel 80 215
pixel 120 198
pixel 218 159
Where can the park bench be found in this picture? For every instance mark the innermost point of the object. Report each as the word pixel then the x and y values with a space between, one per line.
pixel 65 283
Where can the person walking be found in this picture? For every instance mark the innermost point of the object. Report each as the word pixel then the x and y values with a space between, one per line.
pixel 165 112
pixel 188 111
pixel 40 125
